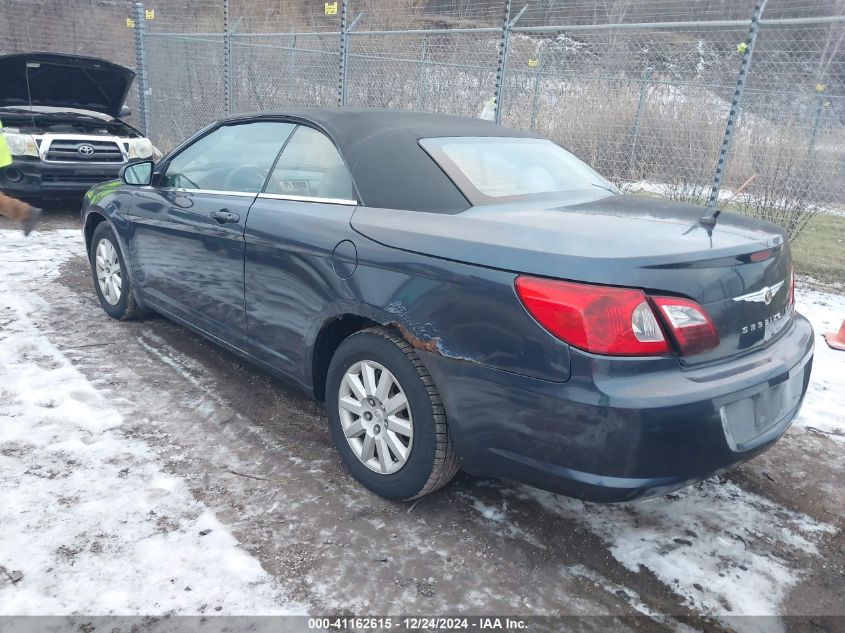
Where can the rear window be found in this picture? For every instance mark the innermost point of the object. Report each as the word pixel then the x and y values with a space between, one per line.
pixel 501 168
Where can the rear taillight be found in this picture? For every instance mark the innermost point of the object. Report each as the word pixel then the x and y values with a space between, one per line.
pixel 690 325
pixel 600 319
pixel 616 321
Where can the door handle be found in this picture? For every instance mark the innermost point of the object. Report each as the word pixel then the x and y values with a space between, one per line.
pixel 225 217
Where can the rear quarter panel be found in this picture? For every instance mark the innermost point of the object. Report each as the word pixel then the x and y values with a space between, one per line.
pixel 455 310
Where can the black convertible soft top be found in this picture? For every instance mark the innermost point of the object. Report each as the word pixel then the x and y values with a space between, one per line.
pixel 380 147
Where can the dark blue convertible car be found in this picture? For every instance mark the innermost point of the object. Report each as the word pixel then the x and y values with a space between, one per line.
pixel 462 295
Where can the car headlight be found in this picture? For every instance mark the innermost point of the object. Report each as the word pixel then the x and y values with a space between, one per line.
pixel 21 144
pixel 140 148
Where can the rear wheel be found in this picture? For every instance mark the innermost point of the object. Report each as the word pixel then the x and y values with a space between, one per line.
pixel 111 279
pixel 386 417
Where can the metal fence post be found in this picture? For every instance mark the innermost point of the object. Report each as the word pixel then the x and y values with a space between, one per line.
pixel 227 60
pixel 141 66
pixel 535 103
pixel 291 69
pixel 500 64
pixel 341 71
pixel 822 98
pixel 421 77
pixel 646 76
pixel 504 49
pixel 747 49
pixel 345 31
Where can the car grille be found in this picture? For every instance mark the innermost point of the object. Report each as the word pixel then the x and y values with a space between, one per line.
pixel 78 179
pixel 101 151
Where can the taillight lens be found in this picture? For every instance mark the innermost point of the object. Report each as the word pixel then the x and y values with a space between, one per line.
pixel 691 326
pixel 600 319
pixel 616 321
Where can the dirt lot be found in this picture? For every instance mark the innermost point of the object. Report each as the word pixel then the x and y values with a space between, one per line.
pixel 187 438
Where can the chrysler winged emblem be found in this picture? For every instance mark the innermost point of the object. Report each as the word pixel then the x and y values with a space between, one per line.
pixel 762 296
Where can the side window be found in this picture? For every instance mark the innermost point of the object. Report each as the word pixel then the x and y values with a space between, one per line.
pixel 311 166
pixel 231 158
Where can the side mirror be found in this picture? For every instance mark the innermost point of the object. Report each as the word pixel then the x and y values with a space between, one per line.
pixel 138 174
pixel 125 111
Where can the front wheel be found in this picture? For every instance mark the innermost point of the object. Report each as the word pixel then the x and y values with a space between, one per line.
pixel 386 417
pixel 111 278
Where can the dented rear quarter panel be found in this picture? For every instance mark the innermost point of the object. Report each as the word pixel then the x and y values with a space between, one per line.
pixel 457 310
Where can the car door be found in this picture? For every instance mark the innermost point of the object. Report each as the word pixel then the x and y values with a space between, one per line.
pixel 187 236
pixel 299 249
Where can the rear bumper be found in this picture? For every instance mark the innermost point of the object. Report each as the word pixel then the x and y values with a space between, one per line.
pixel 32 179
pixel 620 429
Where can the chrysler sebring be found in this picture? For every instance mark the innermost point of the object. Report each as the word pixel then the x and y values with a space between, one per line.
pixel 462 295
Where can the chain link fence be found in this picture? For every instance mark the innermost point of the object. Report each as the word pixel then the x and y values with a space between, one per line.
pixel 790 129
pixel 646 91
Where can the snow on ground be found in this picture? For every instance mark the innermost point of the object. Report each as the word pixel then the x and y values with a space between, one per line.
pixel 711 544
pixel 824 406
pixel 89 518
pixel 703 544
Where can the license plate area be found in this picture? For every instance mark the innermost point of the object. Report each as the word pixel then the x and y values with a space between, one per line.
pixel 747 422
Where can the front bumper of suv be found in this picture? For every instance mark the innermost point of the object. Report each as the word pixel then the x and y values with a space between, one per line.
pixel 623 428
pixel 33 179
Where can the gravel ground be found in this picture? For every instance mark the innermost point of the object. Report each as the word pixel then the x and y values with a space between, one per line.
pixel 146 471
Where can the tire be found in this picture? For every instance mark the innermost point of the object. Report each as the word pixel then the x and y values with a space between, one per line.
pixel 430 461
pixel 118 305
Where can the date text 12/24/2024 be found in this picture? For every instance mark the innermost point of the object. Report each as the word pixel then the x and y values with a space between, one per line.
pixel 418 623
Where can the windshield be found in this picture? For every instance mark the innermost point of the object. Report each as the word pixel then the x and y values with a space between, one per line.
pixel 493 169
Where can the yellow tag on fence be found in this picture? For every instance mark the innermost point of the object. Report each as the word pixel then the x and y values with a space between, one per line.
pixel 151 14
pixel 130 23
pixel 533 63
pixel 330 8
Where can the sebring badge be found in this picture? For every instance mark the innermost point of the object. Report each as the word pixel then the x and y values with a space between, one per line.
pixel 762 296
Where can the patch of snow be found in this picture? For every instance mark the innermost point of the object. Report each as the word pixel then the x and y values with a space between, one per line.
pixel 503 525
pixel 187 368
pixel 710 544
pixel 90 517
pixel 488 512
pixel 824 405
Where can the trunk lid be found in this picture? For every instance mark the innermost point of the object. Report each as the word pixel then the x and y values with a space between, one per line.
pixel 72 81
pixel 652 244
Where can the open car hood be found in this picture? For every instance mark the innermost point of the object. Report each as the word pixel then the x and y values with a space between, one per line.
pixel 72 81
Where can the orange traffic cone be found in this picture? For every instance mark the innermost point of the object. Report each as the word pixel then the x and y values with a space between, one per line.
pixel 836 340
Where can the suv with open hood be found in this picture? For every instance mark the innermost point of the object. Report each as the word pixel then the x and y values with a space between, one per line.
pixel 60 116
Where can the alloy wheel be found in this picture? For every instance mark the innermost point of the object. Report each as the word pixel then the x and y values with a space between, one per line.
pixel 109 277
pixel 376 417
